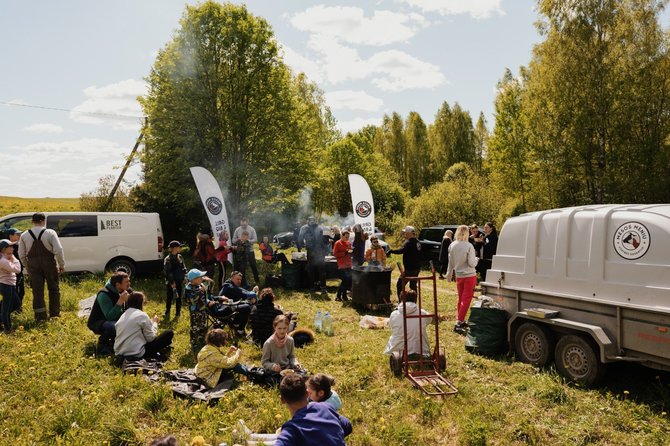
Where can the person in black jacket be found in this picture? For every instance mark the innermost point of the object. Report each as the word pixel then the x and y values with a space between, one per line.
pixel 175 273
pixel 262 316
pixel 444 252
pixel 411 258
pixel 490 248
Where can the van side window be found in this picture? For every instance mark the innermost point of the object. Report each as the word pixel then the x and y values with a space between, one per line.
pixel 20 223
pixel 73 225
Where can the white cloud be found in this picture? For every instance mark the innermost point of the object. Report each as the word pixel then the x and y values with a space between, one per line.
pixel 113 99
pixel 357 124
pixel 353 100
pixel 301 64
pixel 64 169
pixel 392 70
pixel 44 128
pixel 349 24
pixel 479 9
pixel 399 71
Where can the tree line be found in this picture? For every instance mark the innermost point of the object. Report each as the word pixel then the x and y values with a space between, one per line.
pixel 586 121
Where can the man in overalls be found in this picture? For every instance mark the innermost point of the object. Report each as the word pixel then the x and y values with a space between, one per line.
pixel 41 253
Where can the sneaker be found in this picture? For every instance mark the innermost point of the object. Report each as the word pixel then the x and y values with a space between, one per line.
pixel 241 333
pixel 338 298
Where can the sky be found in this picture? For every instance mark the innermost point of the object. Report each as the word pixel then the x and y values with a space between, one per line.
pixel 370 58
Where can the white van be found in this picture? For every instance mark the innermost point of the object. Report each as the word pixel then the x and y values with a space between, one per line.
pixel 101 241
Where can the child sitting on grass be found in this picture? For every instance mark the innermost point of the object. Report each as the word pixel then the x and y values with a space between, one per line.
pixel 319 389
pixel 279 349
pixel 215 358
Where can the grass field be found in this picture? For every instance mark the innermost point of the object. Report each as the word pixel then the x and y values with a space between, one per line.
pixel 11 205
pixel 55 391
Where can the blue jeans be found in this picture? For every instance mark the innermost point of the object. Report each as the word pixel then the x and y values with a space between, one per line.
pixel 10 302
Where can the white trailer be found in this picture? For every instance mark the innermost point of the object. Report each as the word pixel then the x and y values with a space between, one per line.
pixel 586 286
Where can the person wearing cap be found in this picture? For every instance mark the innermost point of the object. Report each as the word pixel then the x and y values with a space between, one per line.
pixel 109 305
pixel 9 267
pixel 199 301
pixel 253 239
pixel 14 235
pixel 175 272
pixel 411 258
pixel 41 253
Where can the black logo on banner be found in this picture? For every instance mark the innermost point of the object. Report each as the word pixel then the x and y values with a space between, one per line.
pixel 214 205
pixel 363 209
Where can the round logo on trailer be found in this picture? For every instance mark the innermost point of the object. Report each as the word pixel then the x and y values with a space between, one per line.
pixel 363 209
pixel 632 240
pixel 214 205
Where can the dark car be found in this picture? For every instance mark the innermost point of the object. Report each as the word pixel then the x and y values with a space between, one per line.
pixel 431 241
pixel 283 239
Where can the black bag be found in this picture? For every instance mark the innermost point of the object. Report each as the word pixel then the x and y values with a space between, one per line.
pixel 487 331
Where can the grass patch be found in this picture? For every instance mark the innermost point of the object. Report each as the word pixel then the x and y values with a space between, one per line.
pixel 54 391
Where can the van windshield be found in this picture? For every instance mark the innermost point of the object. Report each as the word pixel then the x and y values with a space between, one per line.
pixel 21 223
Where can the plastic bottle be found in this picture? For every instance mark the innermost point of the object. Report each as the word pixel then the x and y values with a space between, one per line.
pixel 318 322
pixel 328 324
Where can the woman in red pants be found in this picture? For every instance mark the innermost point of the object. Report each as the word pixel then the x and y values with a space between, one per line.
pixel 462 262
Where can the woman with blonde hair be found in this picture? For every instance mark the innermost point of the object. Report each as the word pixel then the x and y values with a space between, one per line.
pixel 462 261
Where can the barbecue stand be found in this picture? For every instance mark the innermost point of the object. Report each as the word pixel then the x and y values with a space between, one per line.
pixel 423 371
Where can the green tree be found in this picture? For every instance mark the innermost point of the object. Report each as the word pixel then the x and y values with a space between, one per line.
pixel 451 139
pixel 480 141
pixel 596 101
pixel 463 196
pixel 418 154
pixel 390 142
pixel 96 199
pixel 221 97
pixel 354 155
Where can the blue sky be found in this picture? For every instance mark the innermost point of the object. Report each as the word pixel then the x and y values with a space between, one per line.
pixel 369 58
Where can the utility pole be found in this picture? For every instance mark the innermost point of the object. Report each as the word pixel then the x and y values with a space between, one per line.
pixel 125 168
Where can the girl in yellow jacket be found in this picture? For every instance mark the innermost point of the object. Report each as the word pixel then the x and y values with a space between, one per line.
pixel 215 358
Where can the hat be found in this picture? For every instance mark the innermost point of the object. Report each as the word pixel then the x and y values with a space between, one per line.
pixel 175 244
pixel 12 231
pixel 195 273
pixel 5 243
pixel 409 229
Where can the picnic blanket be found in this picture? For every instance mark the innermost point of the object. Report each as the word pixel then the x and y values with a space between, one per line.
pixel 185 384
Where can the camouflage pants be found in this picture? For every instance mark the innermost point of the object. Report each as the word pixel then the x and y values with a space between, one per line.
pixel 198 330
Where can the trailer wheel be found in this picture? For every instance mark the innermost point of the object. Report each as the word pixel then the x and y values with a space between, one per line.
pixel 577 361
pixel 395 361
pixel 533 344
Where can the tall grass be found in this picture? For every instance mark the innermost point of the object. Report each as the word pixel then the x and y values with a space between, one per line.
pixel 53 390
pixel 12 205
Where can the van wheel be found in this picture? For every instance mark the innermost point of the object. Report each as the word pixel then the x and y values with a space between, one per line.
pixel 577 361
pixel 121 263
pixel 533 344
pixel 395 361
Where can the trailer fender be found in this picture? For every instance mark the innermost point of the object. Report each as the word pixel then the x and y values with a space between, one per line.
pixel 606 346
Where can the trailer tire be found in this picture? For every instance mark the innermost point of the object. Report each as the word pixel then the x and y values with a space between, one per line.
pixel 534 344
pixel 395 361
pixel 577 360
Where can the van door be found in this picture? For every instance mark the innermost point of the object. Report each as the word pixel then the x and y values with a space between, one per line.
pixel 75 232
pixel 22 223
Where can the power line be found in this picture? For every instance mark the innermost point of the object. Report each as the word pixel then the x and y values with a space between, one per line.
pixel 42 107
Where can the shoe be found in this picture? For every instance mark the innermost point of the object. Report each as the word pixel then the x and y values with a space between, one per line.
pixel 241 333
pixel 442 277
pixel 460 328
pixel 338 298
